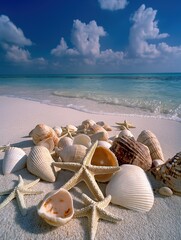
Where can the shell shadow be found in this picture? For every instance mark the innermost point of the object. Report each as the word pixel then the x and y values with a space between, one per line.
pixel 24 144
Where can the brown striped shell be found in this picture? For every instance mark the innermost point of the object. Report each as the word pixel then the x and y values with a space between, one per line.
pixel 170 173
pixel 129 151
pixel 150 140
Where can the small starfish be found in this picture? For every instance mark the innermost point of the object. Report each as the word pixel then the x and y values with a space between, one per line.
pixel 124 125
pixel 94 211
pixel 67 132
pixel 18 192
pixel 85 172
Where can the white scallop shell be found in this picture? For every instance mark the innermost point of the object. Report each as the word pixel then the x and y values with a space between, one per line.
pixel 14 160
pixel 39 163
pixel 130 188
pixel 57 207
pixel 82 139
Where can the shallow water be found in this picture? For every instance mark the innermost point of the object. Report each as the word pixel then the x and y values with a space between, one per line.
pixel 156 95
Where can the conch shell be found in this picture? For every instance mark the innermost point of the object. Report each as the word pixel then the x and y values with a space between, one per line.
pixel 14 160
pixel 39 163
pixel 42 131
pixel 72 153
pixel 170 173
pixel 150 140
pixel 57 207
pixel 129 151
pixel 104 157
pixel 130 188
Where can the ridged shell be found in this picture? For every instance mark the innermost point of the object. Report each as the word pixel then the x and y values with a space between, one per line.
pixel 14 160
pixel 48 143
pixel 39 163
pixel 150 140
pixel 129 151
pixel 42 131
pixel 82 139
pixel 57 207
pixel 65 141
pixel 130 188
pixel 170 173
pixel 104 157
pixel 72 153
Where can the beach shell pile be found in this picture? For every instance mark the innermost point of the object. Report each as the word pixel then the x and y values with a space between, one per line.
pixel 129 187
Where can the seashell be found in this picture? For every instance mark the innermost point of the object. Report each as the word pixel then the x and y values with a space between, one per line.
pixel 58 131
pixel 65 141
pixel 48 143
pixel 104 125
pixel 125 132
pixel 129 151
pixel 39 163
pixel 14 160
pixel 71 128
pixel 42 131
pixel 88 123
pixel 157 162
pixel 104 157
pixel 170 173
pixel 165 191
pixel 104 144
pixel 150 140
pixel 130 188
pixel 57 207
pixel 72 153
pixel 82 139
pixel 99 136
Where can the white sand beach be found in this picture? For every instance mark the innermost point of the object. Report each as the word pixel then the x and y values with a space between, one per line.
pixel 18 117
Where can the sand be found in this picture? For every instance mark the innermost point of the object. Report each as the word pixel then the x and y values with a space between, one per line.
pixel 18 117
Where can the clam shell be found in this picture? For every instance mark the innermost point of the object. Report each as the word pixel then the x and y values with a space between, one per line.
pixel 130 188
pixel 48 143
pixel 150 140
pixel 57 207
pixel 42 131
pixel 14 160
pixel 129 151
pixel 165 191
pixel 104 157
pixel 58 131
pixel 82 139
pixel 73 153
pixel 39 163
pixel 65 141
pixel 99 136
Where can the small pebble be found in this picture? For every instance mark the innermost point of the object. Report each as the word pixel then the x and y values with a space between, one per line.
pixel 165 191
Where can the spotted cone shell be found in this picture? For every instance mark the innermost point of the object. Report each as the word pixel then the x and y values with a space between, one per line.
pixel 39 163
pixel 129 151
pixel 150 140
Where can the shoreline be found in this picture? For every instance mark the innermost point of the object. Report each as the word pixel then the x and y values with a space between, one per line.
pixel 18 117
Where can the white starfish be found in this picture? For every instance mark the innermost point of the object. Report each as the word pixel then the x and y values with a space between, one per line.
pixel 18 192
pixel 85 172
pixel 95 211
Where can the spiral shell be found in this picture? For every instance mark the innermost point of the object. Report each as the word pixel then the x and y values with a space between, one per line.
pixel 129 151
pixel 42 131
pixel 39 163
pixel 150 140
pixel 57 207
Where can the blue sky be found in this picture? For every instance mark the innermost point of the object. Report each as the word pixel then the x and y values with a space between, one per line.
pixel 90 36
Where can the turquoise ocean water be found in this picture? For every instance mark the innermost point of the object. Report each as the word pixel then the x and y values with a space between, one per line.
pixel 156 95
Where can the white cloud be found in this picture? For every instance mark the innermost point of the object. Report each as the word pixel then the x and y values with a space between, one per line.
pixel 85 37
pixel 113 4
pixel 62 49
pixel 144 29
pixel 166 49
pixel 17 54
pixel 9 33
pixel 109 56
